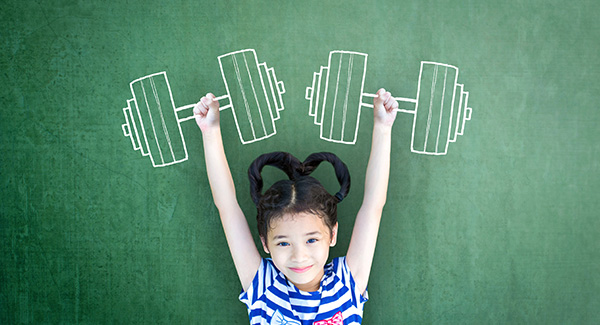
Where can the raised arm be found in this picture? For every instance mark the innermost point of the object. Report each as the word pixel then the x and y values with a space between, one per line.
pixel 364 235
pixel 243 250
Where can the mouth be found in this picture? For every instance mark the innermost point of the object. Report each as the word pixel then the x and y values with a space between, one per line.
pixel 300 270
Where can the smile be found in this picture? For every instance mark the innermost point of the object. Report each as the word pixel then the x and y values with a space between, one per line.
pixel 300 270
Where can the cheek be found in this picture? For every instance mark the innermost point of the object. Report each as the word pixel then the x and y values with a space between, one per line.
pixel 279 256
pixel 322 252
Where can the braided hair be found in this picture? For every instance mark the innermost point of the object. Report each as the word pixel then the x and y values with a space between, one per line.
pixel 300 193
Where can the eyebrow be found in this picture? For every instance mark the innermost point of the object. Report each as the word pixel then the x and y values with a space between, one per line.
pixel 312 233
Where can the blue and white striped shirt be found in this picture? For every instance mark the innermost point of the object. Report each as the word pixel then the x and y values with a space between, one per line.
pixel 272 300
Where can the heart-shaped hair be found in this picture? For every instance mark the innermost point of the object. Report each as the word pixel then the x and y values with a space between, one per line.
pixel 295 169
pixel 301 193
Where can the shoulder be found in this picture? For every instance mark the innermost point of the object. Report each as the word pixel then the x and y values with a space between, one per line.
pixel 337 266
pixel 266 276
pixel 267 272
pixel 339 297
pixel 338 275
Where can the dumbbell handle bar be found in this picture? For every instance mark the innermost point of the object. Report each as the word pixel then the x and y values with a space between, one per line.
pixel 191 117
pixel 409 101
pixel 400 100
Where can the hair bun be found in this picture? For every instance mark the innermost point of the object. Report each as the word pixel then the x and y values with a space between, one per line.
pixel 282 160
pixel 341 170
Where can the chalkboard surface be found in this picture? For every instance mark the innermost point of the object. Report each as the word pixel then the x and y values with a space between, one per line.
pixel 502 227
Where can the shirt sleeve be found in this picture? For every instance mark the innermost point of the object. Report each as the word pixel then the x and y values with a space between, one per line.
pixel 262 280
pixel 343 271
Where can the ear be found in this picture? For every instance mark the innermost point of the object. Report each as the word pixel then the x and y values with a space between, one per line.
pixel 264 244
pixel 334 233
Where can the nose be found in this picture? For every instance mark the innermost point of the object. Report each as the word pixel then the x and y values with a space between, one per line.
pixel 299 254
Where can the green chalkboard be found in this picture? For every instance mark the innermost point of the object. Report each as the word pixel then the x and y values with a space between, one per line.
pixel 500 226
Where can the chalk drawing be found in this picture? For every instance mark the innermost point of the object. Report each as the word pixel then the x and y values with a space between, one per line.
pixel 152 121
pixel 440 108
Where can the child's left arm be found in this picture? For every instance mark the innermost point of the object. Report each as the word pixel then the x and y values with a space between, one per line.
pixel 364 235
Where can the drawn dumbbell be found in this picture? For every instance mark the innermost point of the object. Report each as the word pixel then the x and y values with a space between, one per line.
pixel 152 121
pixel 440 109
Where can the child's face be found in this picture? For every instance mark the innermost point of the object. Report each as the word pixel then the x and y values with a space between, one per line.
pixel 299 246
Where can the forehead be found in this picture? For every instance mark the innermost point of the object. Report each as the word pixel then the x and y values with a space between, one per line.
pixel 300 223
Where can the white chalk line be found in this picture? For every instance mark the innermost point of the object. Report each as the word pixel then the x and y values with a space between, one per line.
pixel 191 106
pixel 360 98
pixel 272 92
pixel 433 85
pixel 437 140
pixel 255 97
pixel 152 123
pixel 335 98
pixel 348 82
pixel 451 115
pixel 280 90
pixel 319 99
pixel 398 99
pixel 162 118
pixel 270 109
pixel 460 100
pixel 137 135
pixel 239 79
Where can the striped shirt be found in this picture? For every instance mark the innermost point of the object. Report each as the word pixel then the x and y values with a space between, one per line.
pixel 272 300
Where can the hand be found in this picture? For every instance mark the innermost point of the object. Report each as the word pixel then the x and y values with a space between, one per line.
pixel 206 112
pixel 384 108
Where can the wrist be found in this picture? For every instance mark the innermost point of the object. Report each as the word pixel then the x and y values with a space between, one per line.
pixel 211 131
pixel 382 127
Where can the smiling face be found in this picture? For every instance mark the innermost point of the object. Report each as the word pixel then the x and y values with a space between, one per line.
pixel 299 246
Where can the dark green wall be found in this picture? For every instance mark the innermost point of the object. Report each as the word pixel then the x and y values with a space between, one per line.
pixel 503 229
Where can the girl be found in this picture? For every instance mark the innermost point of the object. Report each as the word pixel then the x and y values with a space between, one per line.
pixel 297 221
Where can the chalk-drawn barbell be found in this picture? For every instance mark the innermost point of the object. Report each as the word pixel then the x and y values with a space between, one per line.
pixel 440 109
pixel 152 121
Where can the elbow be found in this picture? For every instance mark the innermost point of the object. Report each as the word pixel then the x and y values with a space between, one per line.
pixel 374 207
pixel 377 202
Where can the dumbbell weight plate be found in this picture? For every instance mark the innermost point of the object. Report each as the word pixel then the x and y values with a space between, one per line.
pixel 435 102
pixel 274 90
pixel 315 95
pixel 461 114
pixel 336 96
pixel 151 121
pixel 251 105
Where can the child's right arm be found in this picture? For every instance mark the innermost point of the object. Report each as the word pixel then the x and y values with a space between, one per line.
pixel 241 245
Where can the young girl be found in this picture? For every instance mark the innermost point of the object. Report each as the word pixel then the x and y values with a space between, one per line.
pixel 297 223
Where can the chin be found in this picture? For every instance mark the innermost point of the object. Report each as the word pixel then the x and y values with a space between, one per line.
pixel 303 278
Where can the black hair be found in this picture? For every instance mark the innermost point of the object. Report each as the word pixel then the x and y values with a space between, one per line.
pixel 300 193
